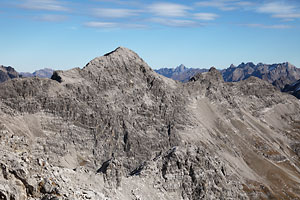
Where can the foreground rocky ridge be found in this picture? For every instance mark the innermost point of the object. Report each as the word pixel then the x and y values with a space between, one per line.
pixel 117 130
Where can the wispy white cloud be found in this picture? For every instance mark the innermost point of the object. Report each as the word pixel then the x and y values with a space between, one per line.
pixel 225 5
pixel 101 24
pixel 50 5
pixel 169 9
pixel 98 24
pixel 276 26
pixel 280 9
pixel 52 18
pixel 115 13
pixel 176 22
pixel 122 2
pixel 222 5
pixel 205 16
pixel 275 7
pixel 287 15
pixel 166 14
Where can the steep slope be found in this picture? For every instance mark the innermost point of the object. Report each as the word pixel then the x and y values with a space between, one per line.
pixel 41 73
pixel 117 130
pixel 277 74
pixel 7 73
pixel 180 73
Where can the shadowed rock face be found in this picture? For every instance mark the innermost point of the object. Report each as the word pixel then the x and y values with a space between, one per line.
pixel 117 130
pixel 293 89
pixel 7 73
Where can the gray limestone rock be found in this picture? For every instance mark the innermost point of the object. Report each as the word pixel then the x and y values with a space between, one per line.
pixel 117 130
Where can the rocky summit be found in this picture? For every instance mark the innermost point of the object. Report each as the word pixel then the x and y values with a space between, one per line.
pixel 115 129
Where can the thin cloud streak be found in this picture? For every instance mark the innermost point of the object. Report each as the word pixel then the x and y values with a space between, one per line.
pixel 279 9
pixel 97 24
pixel 49 5
pixel 276 26
pixel 169 9
pixel 225 5
pixel 176 22
pixel 101 24
pixel 276 8
pixel 115 13
pixel 52 18
pixel 287 15
pixel 206 16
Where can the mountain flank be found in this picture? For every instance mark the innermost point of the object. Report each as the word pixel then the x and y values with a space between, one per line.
pixel 116 129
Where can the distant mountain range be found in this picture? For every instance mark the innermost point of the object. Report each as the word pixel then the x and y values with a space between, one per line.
pixel 180 73
pixel 277 74
pixel 7 73
pixel 42 73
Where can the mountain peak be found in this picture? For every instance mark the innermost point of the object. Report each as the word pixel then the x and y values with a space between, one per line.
pixel 212 76
pixel 180 68
pixel 117 65
pixel 232 66
pixel 120 50
pixel 120 56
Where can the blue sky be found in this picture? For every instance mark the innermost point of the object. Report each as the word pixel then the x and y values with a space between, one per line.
pixel 63 34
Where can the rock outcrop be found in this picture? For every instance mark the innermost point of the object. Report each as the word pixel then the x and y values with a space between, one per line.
pixel 117 130
pixel 7 73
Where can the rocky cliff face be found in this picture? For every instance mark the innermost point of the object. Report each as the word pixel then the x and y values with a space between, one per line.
pixel 117 130
pixel 180 73
pixel 277 74
pixel 7 73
